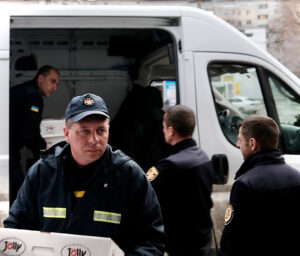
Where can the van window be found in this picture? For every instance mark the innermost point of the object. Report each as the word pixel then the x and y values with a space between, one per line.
pixel 237 94
pixel 288 109
pixel 168 91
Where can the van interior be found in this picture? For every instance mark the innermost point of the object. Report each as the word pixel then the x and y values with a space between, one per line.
pixel 133 70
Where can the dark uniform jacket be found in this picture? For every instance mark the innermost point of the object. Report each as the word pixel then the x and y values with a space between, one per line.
pixel 120 203
pixel 183 187
pixel 26 108
pixel 264 210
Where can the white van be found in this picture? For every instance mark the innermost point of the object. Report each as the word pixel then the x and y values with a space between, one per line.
pixel 191 56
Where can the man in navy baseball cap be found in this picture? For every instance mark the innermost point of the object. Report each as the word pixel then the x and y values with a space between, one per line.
pixel 84 187
pixel 85 105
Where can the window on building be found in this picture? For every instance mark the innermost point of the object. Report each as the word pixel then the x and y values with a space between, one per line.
pixel 262 16
pixel 249 22
pixel 263 6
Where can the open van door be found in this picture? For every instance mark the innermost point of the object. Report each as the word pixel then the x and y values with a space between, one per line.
pixel 4 99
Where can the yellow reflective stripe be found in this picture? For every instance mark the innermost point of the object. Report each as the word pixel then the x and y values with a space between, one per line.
pixel 109 217
pixel 54 212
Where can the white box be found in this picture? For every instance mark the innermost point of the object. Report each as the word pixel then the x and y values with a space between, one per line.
pixel 52 130
pixel 52 127
pixel 36 243
pixel 53 139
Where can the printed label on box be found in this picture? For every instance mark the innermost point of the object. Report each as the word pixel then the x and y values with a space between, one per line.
pixel 12 246
pixel 75 250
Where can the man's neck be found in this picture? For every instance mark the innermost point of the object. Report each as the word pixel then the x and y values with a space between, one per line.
pixel 178 139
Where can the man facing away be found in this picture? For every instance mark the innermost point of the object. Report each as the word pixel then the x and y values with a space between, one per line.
pixel 26 110
pixel 183 183
pixel 263 214
pixel 83 187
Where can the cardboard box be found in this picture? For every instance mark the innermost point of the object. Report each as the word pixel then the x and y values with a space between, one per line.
pixel 35 243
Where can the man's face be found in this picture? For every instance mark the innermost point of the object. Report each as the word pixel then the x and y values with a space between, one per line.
pixel 244 145
pixel 88 139
pixel 48 83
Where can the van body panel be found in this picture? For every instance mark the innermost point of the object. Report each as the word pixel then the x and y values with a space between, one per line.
pixel 4 29
pixel 187 90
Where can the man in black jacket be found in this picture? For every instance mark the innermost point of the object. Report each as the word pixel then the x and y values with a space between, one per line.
pixel 26 110
pixel 183 183
pixel 83 187
pixel 263 214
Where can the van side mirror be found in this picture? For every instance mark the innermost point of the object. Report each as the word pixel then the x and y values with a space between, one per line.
pixel 220 165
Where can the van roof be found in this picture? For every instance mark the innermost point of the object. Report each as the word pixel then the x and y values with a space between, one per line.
pixel 198 30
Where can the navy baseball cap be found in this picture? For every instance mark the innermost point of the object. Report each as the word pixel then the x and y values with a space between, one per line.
pixel 85 105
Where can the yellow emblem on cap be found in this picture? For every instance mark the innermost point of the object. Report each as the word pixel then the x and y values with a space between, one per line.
pixel 152 173
pixel 88 101
pixel 229 214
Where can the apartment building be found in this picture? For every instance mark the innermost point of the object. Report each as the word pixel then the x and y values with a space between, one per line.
pixel 243 14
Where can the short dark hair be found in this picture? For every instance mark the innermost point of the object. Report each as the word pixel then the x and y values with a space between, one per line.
pixel 45 70
pixel 263 129
pixel 182 119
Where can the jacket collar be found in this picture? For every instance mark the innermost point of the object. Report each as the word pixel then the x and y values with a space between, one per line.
pixel 260 158
pixel 183 145
pixel 54 156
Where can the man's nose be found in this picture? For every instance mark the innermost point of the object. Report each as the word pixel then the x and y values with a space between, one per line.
pixel 94 138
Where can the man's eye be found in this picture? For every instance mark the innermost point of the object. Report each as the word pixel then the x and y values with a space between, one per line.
pixel 84 131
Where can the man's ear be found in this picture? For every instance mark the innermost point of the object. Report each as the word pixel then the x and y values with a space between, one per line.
pixel 254 146
pixel 171 131
pixel 40 79
pixel 66 134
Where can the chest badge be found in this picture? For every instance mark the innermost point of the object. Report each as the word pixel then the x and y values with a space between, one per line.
pixel 229 214
pixel 152 173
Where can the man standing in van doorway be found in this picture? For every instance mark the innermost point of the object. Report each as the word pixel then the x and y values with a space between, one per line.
pixel 26 109
pixel 183 183
pixel 84 187
pixel 263 214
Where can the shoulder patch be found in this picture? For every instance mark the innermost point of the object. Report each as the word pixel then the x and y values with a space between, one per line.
pixel 152 173
pixel 229 214
pixel 34 109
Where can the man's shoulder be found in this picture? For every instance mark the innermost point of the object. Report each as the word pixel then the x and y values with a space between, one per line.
pixel 27 91
pixel 191 156
pixel 264 177
pixel 119 159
